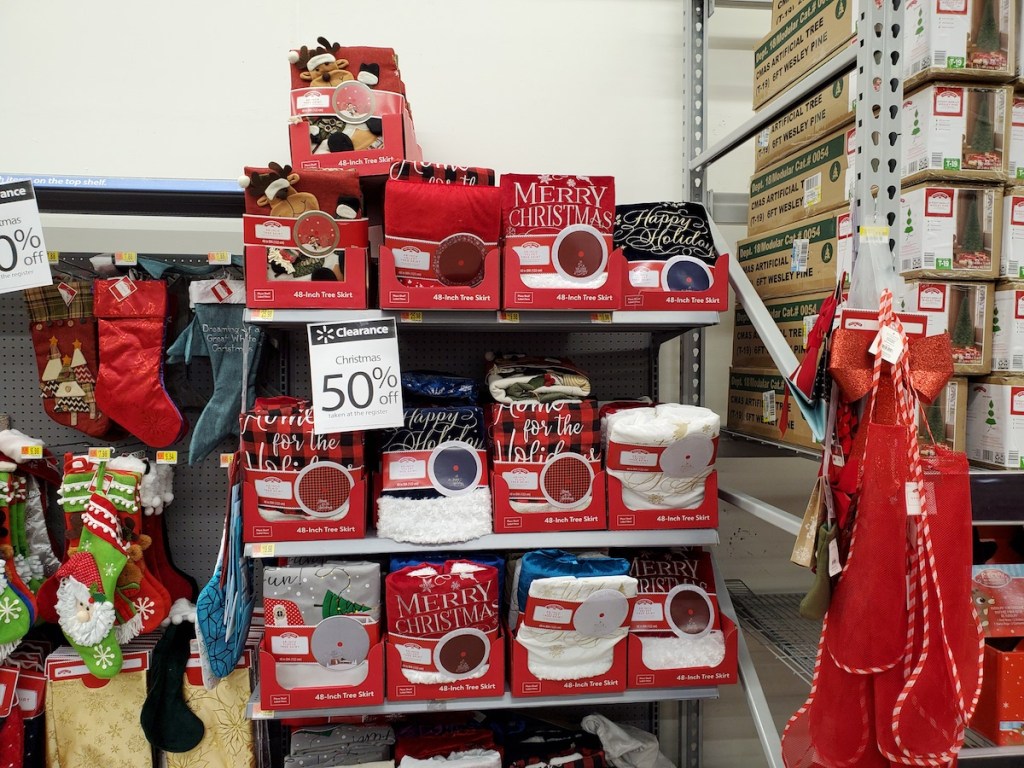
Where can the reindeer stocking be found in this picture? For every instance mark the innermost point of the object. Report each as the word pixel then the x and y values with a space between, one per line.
pixel 64 338
pixel 132 318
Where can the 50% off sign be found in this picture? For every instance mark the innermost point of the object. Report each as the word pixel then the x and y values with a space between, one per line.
pixel 23 262
pixel 356 375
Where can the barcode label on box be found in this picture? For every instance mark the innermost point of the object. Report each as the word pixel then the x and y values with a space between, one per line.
pixel 768 407
pixel 812 190
pixel 938 60
pixel 936 161
pixel 798 256
pixel 986 455
pixel 1014 459
pixel 929 260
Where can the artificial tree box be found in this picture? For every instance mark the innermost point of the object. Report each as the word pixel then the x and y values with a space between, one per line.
pixel 1015 161
pixel 807 257
pixel 814 32
pixel 794 317
pixel 821 113
pixel 810 181
pixel 964 310
pixel 956 132
pixel 951 231
pixel 1011 261
pixel 995 421
pixel 782 10
pixel 755 407
pixel 1008 328
pixel 946 417
pixel 962 39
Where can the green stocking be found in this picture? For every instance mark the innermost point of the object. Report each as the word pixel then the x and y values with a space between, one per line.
pixel 815 602
pixel 15 620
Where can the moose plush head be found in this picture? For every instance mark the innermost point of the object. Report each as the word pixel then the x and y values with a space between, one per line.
pixel 321 67
pixel 274 189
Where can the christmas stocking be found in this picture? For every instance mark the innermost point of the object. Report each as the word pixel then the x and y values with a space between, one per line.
pixel 12 739
pixel 15 617
pixel 64 338
pixel 166 720
pixel 88 589
pixel 218 332
pixel 137 583
pixel 132 316
pixel 179 585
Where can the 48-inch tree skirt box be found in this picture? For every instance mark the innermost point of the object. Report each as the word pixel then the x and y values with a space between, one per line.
pixel 957 132
pixel 806 257
pixel 961 39
pixel 964 310
pixel 811 35
pixel 810 181
pixel 794 316
pixel 951 231
pixel 755 407
pixel 821 113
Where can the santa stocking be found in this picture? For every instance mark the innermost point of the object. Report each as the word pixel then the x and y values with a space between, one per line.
pixel 87 589
pixel 219 332
pixel 15 616
pixel 132 317
pixel 64 338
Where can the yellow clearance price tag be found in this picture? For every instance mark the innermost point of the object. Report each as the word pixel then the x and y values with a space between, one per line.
pixel 265 549
pixel 126 259
pixel 226 459
pixel 412 317
pixel 53 257
pixel 875 233
pixel 264 314
pixel 166 457
pixel 508 317
pixel 100 454
pixel 32 451
pixel 218 257
pixel 600 317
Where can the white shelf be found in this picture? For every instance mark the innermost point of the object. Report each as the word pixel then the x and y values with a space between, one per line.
pixel 371 545
pixel 637 696
pixel 149 235
pixel 810 83
pixel 525 320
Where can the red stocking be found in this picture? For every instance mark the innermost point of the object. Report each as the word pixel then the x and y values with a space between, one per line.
pixel 12 739
pixel 132 317
pixel 64 339
pixel 179 584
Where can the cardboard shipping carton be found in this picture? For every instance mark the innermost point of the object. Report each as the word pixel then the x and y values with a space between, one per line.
pixel 813 180
pixel 755 406
pixel 962 39
pixel 995 421
pixel 806 257
pixel 964 310
pixel 1011 260
pixel 794 317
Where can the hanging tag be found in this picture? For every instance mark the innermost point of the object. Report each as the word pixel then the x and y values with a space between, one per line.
pixel 834 566
pixel 913 498
pixel 838 460
pixel 67 293
pixel 221 290
pixel 874 234
pixel 892 345
pixel 768 407
pixel 123 288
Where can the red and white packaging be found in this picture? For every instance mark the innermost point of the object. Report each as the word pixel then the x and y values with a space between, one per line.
pixel 673 260
pixel 364 684
pixel 296 485
pixel 604 614
pixel 348 109
pixel 71 667
pixel 440 247
pixel 677 612
pixel 8 689
pixel 306 239
pixel 31 692
pixel 435 654
pixel 557 251
pixel 1000 712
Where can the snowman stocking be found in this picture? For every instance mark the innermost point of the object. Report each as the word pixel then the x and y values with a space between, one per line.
pixel 15 616
pixel 64 338
pixel 87 590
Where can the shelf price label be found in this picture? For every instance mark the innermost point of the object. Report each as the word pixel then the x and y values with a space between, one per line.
pixel 53 257
pixel 412 317
pixel 356 375
pixel 266 549
pixel 218 257
pixel 126 259
pixel 226 459
pixel 166 457
pixel 24 262
pixel 100 454
pixel 32 451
